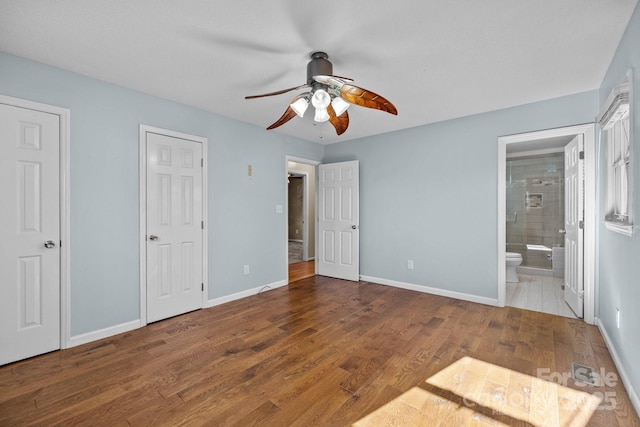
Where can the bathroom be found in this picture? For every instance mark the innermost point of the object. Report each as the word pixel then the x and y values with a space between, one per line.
pixel 534 231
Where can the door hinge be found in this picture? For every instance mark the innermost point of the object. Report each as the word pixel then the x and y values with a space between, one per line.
pixel 581 155
pixel 202 287
pixel 201 163
pixel 202 224
pixel 581 224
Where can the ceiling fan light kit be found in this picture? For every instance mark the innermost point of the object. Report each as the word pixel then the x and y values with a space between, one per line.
pixel 300 106
pixel 330 95
pixel 320 101
pixel 339 105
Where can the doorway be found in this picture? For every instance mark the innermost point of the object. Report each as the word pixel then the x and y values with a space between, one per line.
pixel 298 216
pixel 301 217
pixel 540 144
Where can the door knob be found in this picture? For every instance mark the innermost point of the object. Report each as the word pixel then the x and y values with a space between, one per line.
pixel 153 237
pixel 561 231
pixel 49 244
pixel 354 227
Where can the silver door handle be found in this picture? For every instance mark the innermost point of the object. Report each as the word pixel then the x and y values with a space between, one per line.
pixel 562 231
pixel 153 237
pixel 49 244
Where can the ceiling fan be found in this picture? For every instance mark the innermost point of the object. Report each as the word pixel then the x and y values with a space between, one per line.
pixel 330 95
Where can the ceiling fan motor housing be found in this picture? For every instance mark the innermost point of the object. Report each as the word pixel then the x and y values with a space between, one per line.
pixel 318 66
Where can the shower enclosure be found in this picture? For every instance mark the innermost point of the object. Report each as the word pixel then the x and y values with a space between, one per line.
pixel 535 212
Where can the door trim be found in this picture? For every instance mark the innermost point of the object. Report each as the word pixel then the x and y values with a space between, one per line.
pixel 588 130
pixel 142 145
pixel 64 115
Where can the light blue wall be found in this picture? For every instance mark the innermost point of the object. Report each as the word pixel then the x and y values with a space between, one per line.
pixel 430 194
pixel 243 226
pixel 619 270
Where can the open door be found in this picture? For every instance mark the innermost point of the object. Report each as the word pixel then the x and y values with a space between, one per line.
pixel 338 221
pixel 574 225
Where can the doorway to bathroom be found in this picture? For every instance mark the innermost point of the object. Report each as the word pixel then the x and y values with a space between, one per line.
pixel 535 217
pixel 532 221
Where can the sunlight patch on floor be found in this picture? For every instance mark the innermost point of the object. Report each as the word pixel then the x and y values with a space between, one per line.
pixel 473 392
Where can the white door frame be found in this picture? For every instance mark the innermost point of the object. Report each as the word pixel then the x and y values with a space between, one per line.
pixel 315 164
pixel 65 207
pixel 142 142
pixel 588 130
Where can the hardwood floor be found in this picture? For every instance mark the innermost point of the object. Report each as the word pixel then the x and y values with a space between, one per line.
pixel 301 270
pixel 318 352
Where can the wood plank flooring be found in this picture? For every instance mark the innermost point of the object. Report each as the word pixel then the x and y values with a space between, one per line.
pixel 301 270
pixel 318 352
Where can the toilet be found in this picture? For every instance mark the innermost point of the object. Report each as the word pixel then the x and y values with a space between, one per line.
pixel 512 260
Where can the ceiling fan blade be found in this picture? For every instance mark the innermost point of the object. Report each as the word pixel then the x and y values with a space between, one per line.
pixel 340 123
pixel 288 113
pixel 328 79
pixel 279 92
pixel 366 98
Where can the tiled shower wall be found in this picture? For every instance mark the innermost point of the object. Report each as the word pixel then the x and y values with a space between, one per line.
pixel 538 225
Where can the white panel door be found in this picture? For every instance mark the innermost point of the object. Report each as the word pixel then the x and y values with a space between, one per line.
pixel 573 220
pixel 338 221
pixel 174 226
pixel 29 233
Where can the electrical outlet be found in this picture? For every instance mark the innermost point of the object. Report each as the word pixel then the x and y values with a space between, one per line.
pixel 410 264
pixel 617 317
pixel 245 269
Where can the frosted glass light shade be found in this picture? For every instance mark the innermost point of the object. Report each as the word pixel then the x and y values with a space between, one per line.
pixel 321 115
pixel 320 99
pixel 300 106
pixel 339 105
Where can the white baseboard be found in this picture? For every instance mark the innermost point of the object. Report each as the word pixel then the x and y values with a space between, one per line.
pixel 103 333
pixel 135 324
pixel 635 401
pixel 244 294
pixel 434 291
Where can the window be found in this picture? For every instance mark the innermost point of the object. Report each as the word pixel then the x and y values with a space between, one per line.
pixel 614 120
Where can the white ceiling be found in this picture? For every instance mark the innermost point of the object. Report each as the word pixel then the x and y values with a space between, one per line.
pixel 435 60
